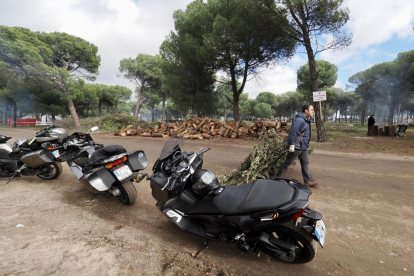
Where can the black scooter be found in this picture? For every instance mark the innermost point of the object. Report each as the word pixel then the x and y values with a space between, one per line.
pixel 267 215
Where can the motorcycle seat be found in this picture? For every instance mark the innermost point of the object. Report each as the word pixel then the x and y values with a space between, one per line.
pixel 260 195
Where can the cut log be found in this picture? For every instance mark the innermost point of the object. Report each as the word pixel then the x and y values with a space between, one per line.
pixel 375 131
pixel 270 124
pixel 197 136
pixel 221 131
pixel 205 135
pixel 233 135
pixel 157 135
pixel 196 119
pixel 243 131
pixel 392 131
pixel 193 132
pixel 200 125
pixel 146 134
pixel 186 136
pixel 123 134
pixel 386 130
pixel 380 132
pixel 278 124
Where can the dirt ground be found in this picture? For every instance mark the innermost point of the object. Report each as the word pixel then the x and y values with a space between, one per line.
pixel 51 227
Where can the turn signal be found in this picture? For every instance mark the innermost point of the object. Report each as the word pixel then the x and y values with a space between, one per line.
pixel 50 148
pixel 116 162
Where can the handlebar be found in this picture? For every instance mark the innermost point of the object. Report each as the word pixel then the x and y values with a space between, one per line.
pixel 201 151
pixel 173 182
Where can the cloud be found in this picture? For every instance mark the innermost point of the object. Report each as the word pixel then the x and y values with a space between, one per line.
pixel 373 22
pixel 277 80
pixel 120 28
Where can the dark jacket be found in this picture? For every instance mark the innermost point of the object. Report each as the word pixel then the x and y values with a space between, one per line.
pixel 371 121
pixel 300 132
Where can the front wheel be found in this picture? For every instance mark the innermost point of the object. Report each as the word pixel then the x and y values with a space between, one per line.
pixel 128 193
pixel 305 249
pixel 50 170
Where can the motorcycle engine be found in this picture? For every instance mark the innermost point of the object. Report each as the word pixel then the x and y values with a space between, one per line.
pixel 8 169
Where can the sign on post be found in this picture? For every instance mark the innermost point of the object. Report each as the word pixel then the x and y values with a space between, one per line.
pixel 319 96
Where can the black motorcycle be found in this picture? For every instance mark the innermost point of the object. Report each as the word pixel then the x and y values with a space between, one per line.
pixel 267 215
pixel 111 169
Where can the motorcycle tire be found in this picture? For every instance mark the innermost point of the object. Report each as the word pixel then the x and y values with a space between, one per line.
pixel 306 247
pixel 55 170
pixel 128 193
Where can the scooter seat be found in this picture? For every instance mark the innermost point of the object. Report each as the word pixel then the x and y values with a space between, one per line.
pixel 260 195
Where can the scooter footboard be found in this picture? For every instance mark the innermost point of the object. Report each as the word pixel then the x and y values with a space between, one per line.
pixel 185 224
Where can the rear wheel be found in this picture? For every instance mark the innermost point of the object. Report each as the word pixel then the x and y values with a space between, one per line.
pixel 50 170
pixel 305 246
pixel 128 193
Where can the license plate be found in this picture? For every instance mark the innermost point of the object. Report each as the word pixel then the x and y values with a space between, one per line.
pixel 56 153
pixel 122 172
pixel 320 231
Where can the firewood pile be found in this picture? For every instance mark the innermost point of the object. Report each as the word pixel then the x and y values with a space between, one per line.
pixel 199 128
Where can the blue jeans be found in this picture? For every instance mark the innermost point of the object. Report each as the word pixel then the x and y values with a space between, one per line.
pixel 304 163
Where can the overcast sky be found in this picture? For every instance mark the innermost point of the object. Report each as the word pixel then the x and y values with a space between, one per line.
pixel 123 28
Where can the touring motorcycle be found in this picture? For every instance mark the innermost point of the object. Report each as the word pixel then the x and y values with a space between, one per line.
pixel 101 169
pixel 267 215
pixel 23 158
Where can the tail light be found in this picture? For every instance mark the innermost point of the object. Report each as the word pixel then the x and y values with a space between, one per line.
pixel 298 214
pixel 116 162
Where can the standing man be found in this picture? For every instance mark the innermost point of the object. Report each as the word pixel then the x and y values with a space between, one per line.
pixel 371 123
pixel 298 143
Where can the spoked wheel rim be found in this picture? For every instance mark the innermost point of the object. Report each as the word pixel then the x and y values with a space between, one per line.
pixel 50 171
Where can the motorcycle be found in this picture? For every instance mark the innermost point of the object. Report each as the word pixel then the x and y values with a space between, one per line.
pixel 20 159
pixel 267 215
pixel 109 169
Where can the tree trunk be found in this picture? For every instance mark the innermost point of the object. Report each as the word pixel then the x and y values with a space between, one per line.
pixel 152 112
pixel 100 108
pixel 14 114
pixel 53 117
pixel 346 118
pixel 5 114
pixel 363 115
pixel 163 109
pixel 116 107
pixel 391 113
pixel 73 113
pixel 139 100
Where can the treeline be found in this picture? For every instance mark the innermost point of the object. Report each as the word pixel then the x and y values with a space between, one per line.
pixel 44 72
pixel 387 89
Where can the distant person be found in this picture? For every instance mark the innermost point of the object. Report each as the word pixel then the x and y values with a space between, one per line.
pixel 298 143
pixel 371 123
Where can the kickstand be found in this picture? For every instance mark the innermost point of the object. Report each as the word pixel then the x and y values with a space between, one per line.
pixel 90 200
pixel 205 246
pixel 11 178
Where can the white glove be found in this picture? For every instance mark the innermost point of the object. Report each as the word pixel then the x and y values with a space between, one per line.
pixel 292 148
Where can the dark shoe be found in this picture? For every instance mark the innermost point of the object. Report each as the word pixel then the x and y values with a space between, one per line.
pixel 312 184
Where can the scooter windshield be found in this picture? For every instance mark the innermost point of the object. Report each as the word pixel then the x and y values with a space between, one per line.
pixel 170 146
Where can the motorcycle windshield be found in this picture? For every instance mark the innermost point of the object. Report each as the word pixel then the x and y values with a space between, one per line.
pixel 170 146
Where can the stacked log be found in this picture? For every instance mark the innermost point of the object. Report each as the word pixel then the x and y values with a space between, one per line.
pixel 205 128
